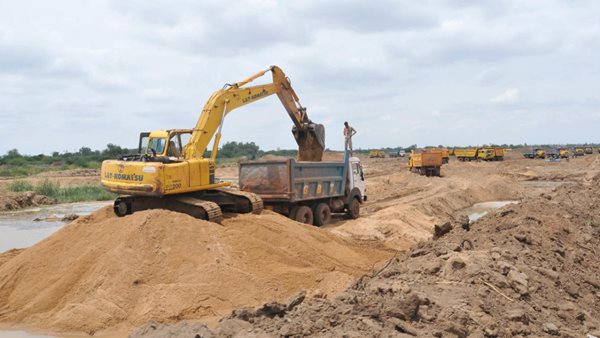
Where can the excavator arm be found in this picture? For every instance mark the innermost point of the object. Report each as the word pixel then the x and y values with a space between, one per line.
pixel 309 136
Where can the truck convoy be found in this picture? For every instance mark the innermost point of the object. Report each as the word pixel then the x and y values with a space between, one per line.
pixel 171 172
pixel 477 154
pixel 426 162
pixel 308 192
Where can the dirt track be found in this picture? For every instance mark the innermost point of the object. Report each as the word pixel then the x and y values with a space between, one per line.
pixel 162 254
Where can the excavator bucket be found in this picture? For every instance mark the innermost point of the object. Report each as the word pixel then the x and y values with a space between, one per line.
pixel 311 142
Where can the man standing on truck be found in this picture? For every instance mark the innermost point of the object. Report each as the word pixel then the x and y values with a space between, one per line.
pixel 348 133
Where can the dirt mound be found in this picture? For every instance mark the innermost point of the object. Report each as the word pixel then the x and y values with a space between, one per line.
pixel 529 269
pixel 20 200
pixel 103 271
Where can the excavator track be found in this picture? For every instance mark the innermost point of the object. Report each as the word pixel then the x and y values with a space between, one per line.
pixel 207 205
pixel 206 210
pixel 256 203
pixel 211 209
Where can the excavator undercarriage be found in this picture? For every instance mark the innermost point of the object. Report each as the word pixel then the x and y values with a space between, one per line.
pixel 208 205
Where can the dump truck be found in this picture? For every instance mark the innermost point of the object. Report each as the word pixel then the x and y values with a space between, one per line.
pixel 563 153
pixel 540 153
pixel 399 153
pixel 466 154
pixel 428 163
pixel 589 150
pixel 491 154
pixel 486 154
pixel 376 153
pixel 578 152
pixel 445 155
pixel 308 192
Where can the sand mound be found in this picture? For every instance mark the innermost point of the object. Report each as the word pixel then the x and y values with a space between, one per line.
pixel 102 271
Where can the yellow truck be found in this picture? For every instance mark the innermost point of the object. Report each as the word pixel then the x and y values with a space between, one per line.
pixel 491 154
pixel 486 154
pixel 579 152
pixel 466 154
pixel 540 153
pixel 376 154
pixel 563 153
pixel 427 162
pixel 445 155
pixel 589 150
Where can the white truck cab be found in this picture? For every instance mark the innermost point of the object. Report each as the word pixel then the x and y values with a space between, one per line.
pixel 357 177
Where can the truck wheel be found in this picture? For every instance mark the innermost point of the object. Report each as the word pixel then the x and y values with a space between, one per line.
pixel 304 215
pixel 293 212
pixel 322 214
pixel 354 208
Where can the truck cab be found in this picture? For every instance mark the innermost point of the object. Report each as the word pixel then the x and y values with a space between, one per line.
pixel 357 178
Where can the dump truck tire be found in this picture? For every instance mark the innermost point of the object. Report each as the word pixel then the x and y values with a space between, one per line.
pixel 304 215
pixel 354 208
pixel 322 214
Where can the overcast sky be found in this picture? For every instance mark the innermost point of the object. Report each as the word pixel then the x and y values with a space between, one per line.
pixel 87 73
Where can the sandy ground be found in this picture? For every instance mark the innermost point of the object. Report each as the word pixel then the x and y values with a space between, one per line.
pixel 101 272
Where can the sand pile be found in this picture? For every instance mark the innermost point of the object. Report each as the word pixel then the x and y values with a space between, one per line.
pixel 102 271
pixel 527 270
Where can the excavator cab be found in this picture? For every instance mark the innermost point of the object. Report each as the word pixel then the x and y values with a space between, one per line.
pixel 164 145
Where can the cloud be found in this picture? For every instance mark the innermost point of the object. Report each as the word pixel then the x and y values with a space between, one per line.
pixel 434 72
pixel 509 96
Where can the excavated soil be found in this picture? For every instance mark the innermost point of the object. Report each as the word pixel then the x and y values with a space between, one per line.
pixel 529 269
pixel 20 200
pixel 104 272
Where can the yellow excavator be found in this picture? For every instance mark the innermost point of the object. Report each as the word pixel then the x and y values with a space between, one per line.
pixel 170 170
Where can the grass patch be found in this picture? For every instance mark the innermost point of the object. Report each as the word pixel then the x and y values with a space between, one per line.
pixel 64 194
pixel 18 186
pixel 84 193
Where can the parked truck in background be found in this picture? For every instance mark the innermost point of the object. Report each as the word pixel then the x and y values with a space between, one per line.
pixel 376 153
pixel 589 150
pixel 308 192
pixel 563 153
pixel 466 154
pixel 427 162
pixel 485 154
pixel 578 152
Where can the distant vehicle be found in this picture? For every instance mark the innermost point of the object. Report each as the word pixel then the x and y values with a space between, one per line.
pixel 589 150
pixel 553 154
pixel 579 152
pixel 563 153
pixel 399 153
pixel 376 153
pixel 535 153
pixel 466 154
pixel 427 162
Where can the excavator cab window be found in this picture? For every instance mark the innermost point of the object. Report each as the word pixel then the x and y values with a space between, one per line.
pixel 174 149
pixel 156 146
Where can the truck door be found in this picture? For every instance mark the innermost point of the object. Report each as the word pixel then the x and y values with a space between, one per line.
pixel 358 177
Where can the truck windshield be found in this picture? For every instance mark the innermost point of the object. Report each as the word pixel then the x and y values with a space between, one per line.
pixel 156 144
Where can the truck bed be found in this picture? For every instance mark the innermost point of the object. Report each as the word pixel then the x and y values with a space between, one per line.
pixel 291 180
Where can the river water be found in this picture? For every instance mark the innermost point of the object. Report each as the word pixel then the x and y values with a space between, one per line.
pixel 478 210
pixel 19 230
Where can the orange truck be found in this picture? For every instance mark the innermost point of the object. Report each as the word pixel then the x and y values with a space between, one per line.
pixel 428 163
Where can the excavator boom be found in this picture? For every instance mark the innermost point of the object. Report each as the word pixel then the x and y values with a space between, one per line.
pixel 309 136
